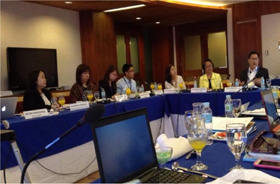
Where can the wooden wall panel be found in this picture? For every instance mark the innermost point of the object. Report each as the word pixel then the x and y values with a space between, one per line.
pixel 98 42
pixel 269 7
pixel 162 52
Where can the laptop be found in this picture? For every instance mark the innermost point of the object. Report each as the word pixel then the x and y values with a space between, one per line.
pixel 8 107
pixel 125 150
pixel 271 112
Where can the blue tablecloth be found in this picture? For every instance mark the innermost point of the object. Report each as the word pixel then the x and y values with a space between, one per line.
pixel 33 135
pixel 179 103
pixel 275 82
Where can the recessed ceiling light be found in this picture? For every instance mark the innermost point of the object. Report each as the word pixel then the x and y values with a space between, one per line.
pixel 68 2
pixel 125 8
pixel 157 22
pixel 138 18
pixel 202 2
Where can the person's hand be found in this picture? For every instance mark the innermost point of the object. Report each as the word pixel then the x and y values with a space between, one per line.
pixel 241 83
pixel 257 81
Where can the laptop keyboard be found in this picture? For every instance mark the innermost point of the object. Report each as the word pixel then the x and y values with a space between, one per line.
pixel 165 176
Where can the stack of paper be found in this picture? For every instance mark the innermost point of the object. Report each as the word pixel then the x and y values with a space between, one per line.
pixel 220 123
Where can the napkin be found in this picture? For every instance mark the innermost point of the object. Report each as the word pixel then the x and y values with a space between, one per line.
pixel 180 145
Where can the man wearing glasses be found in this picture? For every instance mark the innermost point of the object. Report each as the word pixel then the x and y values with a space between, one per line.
pixel 254 71
pixel 127 80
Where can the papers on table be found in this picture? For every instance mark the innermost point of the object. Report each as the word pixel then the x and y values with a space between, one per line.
pixel 219 123
pixel 247 174
pixel 258 112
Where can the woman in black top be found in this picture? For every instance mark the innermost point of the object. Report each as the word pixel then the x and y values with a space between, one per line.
pixel 109 83
pixel 36 97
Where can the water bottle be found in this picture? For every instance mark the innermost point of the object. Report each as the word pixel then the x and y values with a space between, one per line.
pixel 228 106
pixel 206 113
pixel 195 82
pixel 236 82
pixel 142 88
pixel 103 95
pixel 262 84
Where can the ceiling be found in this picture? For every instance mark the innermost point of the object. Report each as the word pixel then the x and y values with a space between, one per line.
pixel 155 10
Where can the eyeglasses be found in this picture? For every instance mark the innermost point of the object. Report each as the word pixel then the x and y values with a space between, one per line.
pixel 254 59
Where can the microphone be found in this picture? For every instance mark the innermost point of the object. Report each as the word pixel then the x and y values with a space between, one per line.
pixel 258 75
pixel 92 115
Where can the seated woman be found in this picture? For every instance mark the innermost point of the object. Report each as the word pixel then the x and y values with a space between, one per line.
pixel 210 80
pixel 172 80
pixel 82 86
pixel 109 83
pixel 36 97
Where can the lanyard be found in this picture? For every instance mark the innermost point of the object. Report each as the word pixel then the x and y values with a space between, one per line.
pixel 127 83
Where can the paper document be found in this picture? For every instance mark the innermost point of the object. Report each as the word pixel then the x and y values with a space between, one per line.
pixel 247 174
pixel 259 112
pixel 219 123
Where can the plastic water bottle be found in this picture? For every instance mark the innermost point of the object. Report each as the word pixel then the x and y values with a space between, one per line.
pixel 206 113
pixel 236 82
pixel 103 95
pixel 262 84
pixel 195 82
pixel 228 106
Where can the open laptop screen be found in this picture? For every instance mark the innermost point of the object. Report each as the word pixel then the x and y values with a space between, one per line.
pixel 270 108
pixel 124 146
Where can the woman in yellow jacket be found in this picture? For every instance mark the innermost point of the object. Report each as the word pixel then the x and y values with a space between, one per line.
pixel 210 80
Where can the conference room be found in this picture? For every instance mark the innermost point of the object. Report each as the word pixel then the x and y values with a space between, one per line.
pixel 150 37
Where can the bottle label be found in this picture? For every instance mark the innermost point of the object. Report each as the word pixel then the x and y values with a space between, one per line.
pixel 228 107
pixel 236 83
pixel 207 117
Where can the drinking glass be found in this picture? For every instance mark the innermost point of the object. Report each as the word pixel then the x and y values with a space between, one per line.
pixel 163 155
pixel 159 86
pixel 54 104
pixel 268 82
pixel 218 85
pixel 197 137
pixel 61 101
pixel 229 83
pixel 128 91
pixel 89 96
pixel 236 141
pixel 236 107
pixel 96 95
pixel 152 86
pixel 275 92
pixel 181 85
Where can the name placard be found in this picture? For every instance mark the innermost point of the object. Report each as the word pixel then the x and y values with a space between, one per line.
pixel 120 98
pixel 158 92
pixel 35 113
pixel 144 95
pixel 80 105
pixel 198 90
pixel 171 91
pixel 233 89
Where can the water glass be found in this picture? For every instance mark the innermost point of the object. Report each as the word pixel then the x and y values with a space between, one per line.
pixel 89 95
pixel 268 83
pixel 236 141
pixel 236 107
pixel 96 95
pixel 159 86
pixel 163 155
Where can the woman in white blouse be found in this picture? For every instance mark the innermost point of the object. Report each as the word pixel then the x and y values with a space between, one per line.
pixel 172 80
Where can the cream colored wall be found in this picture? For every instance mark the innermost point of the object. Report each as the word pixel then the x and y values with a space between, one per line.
pixel 37 26
pixel 270 38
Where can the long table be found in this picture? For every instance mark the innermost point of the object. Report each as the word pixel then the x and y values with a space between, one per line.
pixel 32 135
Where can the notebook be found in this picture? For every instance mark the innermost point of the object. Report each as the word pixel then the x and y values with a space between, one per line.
pixel 271 112
pixel 8 107
pixel 125 150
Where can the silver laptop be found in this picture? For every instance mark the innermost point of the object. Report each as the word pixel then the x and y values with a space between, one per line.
pixel 8 107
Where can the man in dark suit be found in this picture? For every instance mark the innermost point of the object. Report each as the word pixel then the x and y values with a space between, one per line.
pixel 254 70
